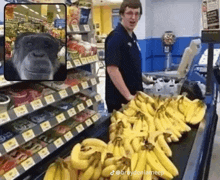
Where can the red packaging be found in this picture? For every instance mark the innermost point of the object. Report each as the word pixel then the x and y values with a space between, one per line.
pixel 33 94
pixel 71 82
pixel 6 164
pixel 61 129
pixel 72 45
pixel 18 155
pixel 81 49
pixel 20 97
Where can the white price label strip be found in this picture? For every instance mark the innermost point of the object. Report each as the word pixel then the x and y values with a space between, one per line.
pixel 60 118
pixel 45 126
pixel 89 102
pixel 75 89
pixel 89 59
pixel 95 118
pixel 68 136
pixel 75 28
pixel 4 117
pixel 49 99
pixel 28 135
pixel 94 58
pixel 80 107
pixel 43 153
pixel 85 85
pixel 63 93
pixel 93 81
pixel 98 97
pixel 83 60
pixel 36 104
pixel 27 164
pixel 59 142
pixel 86 27
pixel 12 174
pixel 71 112
pixel 79 128
pixel 10 144
pixel 20 111
pixel 88 122
pixel 3 81
pixel 69 65
pixel 77 62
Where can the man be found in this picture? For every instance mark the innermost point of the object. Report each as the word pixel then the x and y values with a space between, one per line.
pixel 123 58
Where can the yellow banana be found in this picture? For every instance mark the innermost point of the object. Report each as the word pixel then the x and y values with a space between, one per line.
pixel 156 166
pixel 50 173
pixel 129 112
pixel 138 103
pixel 199 115
pixel 90 170
pixel 145 126
pixel 115 177
pixel 76 162
pixel 58 173
pixel 164 146
pixel 140 165
pixel 73 172
pixel 116 151
pixel 65 172
pixel 103 155
pixel 112 136
pixel 165 161
pixel 112 127
pixel 83 155
pixel 111 161
pixel 150 109
pixel 94 142
pixel 110 147
pixel 150 122
pixel 109 169
pixel 158 124
pixel 134 160
pixel 145 96
pixel 136 144
pixel 121 149
pixel 97 171
pixel 128 148
pixel 125 176
pixel 147 174
pixel 113 119
pixel 133 105
pixel 140 98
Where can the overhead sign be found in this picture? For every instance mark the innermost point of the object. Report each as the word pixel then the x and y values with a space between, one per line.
pixel 59 23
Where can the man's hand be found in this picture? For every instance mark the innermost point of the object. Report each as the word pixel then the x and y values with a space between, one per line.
pixel 130 97
pixel 147 80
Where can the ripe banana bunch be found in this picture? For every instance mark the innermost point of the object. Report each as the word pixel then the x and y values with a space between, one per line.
pixel 60 170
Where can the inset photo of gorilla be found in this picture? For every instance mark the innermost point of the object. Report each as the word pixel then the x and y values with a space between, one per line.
pixel 35 42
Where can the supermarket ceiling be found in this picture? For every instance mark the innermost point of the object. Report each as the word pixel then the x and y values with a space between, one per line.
pixel 36 11
pixel 106 2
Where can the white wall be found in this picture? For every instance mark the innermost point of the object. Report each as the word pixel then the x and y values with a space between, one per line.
pixel 183 17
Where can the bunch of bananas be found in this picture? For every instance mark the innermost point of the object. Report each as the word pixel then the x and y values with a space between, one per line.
pixel 140 134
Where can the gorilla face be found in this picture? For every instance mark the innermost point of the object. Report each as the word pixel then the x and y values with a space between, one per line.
pixel 35 56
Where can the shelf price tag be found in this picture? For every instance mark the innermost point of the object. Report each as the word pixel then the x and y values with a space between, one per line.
pixel 63 93
pixel 89 102
pixel 86 27
pixel 43 153
pixel 89 59
pixel 36 104
pixel 83 60
pixel 69 65
pixel 88 122
pixel 75 89
pixel 85 85
pixel 60 118
pixel 4 117
pixel 59 142
pixel 77 62
pixel 68 136
pixel 3 81
pixel 96 57
pixel 12 174
pixel 28 135
pixel 45 126
pixel 95 118
pixel 27 164
pixel 20 111
pixel 10 144
pixel 80 128
pixel 71 112
pixel 49 99
pixel 80 107
pixel 75 28
pixel 93 81
pixel 98 98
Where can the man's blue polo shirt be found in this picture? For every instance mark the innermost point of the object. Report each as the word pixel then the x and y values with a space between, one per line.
pixel 122 51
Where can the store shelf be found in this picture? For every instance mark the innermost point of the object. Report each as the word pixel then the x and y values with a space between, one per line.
pixel 4 82
pixel 49 149
pixel 78 29
pixel 80 61
pixel 23 110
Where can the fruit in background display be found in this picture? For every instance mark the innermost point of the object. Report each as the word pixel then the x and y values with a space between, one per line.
pixel 140 134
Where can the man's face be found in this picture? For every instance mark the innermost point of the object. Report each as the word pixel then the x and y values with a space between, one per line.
pixel 130 18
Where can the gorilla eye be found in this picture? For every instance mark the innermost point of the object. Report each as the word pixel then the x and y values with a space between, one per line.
pixel 29 43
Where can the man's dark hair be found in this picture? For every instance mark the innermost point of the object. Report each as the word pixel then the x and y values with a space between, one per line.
pixel 131 4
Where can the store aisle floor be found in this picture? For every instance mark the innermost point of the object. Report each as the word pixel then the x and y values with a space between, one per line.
pixel 214 172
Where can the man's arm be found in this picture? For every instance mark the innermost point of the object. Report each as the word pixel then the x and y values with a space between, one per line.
pixel 118 81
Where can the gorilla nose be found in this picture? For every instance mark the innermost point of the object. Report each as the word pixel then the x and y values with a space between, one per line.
pixel 38 54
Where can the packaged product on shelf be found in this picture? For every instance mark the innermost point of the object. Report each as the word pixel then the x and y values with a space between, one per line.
pixel 6 164
pixel 6 134
pixel 20 125
pixel 53 111
pixel 58 85
pixel 82 116
pixel 18 155
pixel 62 105
pixel 20 97
pixel 73 15
pixel 84 15
pixel 4 102
pixel 82 96
pixel 94 49
pixel 61 129
pixel 48 137
pixel 33 146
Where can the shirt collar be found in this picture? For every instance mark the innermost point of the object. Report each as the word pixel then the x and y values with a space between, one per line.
pixel 120 27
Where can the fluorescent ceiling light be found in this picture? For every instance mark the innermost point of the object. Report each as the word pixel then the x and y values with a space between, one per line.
pixel 58 16
pixel 36 12
pixel 58 10
pixel 24 6
pixel 31 10
pixel 57 6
